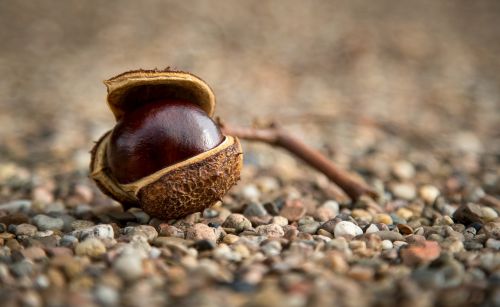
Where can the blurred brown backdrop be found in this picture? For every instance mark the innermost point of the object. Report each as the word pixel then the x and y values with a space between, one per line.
pixel 319 67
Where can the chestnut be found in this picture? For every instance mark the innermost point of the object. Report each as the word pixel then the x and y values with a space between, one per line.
pixel 165 153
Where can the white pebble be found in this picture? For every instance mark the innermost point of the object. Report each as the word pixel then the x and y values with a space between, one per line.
pixel 386 244
pixel 347 230
pixel 372 228
pixel 429 193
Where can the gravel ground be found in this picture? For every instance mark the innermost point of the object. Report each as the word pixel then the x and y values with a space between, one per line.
pixel 407 96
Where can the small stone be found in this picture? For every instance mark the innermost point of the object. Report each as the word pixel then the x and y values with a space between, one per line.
pixel 129 266
pixel 16 206
pixel 141 216
pixel 404 190
pixel 45 222
pixel 347 230
pixel 102 232
pixel 310 228
pixel 107 295
pixel 22 268
pixel 422 252
pixel 429 193
pixel 91 247
pixel 386 244
pixel 371 229
pixel 149 232
pixel 390 235
pixel 230 239
pixel 34 253
pixel 255 209
pixel 237 221
pixel 271 230
pixel 268 184
pixel 272 248
pixel 327 211
pixel 251 192
pixel 279 220
pixel 398 244
pixel 81 224
pixel 493 243
pixel 293 210
pixel 25 230
pixel 167 230
pixel 405 229
pixel 403 170
pixel 201 232
pixel 383 219
pixel 468 213
pixel 69 241
pixel 14 219
pixel 488 214
pixel 404 213
pixel 362 215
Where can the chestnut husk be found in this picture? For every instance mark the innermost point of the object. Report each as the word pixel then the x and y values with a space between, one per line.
pixel 179 189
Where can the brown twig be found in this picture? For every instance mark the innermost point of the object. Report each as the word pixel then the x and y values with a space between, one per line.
pixel 278 137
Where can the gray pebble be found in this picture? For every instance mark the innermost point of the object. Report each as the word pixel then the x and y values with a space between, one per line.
pixel 25 230
pixel 45 222
pixel 21 205
pixel 255 209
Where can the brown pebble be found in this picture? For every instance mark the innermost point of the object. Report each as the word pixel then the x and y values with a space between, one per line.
pixel 405 229
pixel 421 252
pixel 293 210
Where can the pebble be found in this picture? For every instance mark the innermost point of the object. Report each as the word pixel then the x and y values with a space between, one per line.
pixel 429 193
pixel 102 232
pixel 149 232
pixel 406 191
pixel 386 244
pixel 327 211
pixel 403 170
pixel 383 219
pixel 272 248
pixel 25 230
pixel 251 192
pixel 106 295
pixel 237 221
pixel 255 209
pixel 91 247
pixel 347 230
pixel 16 206
pixel 371 229
pixel 405 214
pixel 310 228
pixel 468 213
pixel 230 239
pixel 280 220
pixel 81 224
pixel 293 210
pixel 390 235
pixel 271 230
pixel 45 222
pixel 405 229
pixel 362 215
pixel 421 252
pixel 488 214
pixel 493 243
pixel 129 266
pixel 201 232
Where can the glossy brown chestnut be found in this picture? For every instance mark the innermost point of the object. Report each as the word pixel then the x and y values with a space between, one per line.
pixel 165 154
pixel 159 134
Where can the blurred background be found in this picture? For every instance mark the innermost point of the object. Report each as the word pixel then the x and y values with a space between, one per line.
pixel 343 75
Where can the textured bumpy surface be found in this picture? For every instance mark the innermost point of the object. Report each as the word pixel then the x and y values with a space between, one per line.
pixel 193 187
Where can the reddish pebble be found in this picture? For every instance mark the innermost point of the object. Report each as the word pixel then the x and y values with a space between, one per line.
pixel 421 252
